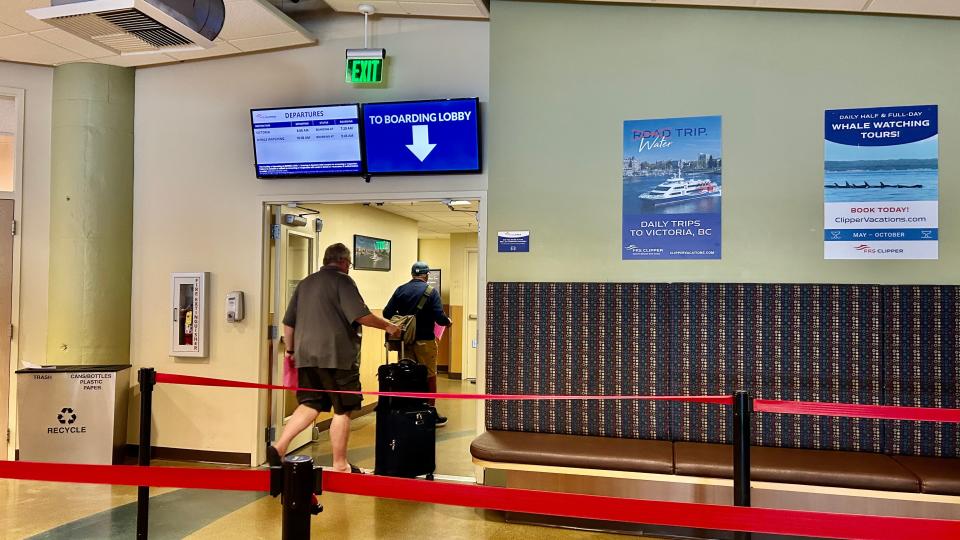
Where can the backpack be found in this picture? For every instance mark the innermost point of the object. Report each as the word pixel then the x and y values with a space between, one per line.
pixel 407 324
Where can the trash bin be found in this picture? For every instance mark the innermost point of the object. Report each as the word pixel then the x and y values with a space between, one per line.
pixel 73 414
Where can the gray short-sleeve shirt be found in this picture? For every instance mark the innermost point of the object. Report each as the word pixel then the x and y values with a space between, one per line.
pixel 323 312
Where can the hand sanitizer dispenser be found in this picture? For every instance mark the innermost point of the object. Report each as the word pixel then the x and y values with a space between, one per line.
pixel 234 306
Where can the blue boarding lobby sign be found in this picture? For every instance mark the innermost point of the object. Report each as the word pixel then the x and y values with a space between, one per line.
pixel 881 183
pixel 418 137
pixel 672 186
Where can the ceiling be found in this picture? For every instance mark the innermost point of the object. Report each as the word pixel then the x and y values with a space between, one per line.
pixel 250 26
pixel 934 8
pixel 434 218
pixel 263 25
pixel 467 9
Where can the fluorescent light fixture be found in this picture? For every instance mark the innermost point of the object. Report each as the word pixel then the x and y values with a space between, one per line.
pixel 458 203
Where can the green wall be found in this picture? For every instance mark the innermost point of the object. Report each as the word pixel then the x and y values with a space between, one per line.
pixel 564 77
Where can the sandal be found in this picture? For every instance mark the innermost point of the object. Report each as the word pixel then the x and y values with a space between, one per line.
pixel 273 456
pixel 356 470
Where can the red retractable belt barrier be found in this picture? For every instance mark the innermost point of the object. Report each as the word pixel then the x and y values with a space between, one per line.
pixel 133 475
pixel 677 514
pixel 206 381
pixel 704 516
pixel 885 412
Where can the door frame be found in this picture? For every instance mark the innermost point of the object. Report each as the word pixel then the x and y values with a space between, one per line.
pixel 466 345
pixel 264 399
pixel 9 408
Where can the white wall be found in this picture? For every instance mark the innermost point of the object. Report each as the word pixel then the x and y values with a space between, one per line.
pixel 197 201
pixel 34 208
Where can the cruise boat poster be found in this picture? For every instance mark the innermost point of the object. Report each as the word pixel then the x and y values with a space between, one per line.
pixel 672 188
pixel 881 183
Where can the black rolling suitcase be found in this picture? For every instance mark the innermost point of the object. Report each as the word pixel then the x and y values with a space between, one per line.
pixel 404 376
pixel 406 427
pixel 406 442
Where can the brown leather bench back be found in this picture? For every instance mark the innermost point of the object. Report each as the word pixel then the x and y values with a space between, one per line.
pixel 865 344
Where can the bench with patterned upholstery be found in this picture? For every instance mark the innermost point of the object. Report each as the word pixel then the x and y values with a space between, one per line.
pixel 863 344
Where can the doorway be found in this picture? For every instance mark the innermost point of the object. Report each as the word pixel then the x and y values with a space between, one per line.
pixel 6 313
pixel 293 257
pixel 435 230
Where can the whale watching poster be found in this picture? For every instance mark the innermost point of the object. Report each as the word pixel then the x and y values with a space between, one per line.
pixel 671 188
pixel 881 183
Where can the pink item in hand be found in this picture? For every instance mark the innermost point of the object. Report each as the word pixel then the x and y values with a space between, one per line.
pixel 289 371
pixel 438 330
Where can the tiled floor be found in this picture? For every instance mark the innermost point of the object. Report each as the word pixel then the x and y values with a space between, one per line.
pixel 78 511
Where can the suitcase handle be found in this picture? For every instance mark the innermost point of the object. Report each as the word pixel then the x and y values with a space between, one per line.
pixel 402 353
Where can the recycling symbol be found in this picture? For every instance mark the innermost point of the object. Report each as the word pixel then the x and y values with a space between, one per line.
pixel 67 416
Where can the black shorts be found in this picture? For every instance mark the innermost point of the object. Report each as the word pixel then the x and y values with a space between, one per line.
pixel 329 379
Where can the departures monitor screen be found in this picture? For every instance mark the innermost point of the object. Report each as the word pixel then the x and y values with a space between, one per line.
pixel 307 141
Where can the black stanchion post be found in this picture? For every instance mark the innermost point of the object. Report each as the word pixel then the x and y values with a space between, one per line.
pixel 148 379
pixel 299 482
pixel 742 407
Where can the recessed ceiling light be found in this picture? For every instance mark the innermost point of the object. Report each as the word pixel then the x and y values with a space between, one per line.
pixel 458 203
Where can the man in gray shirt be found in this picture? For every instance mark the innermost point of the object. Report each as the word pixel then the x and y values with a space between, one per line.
pixel 321 330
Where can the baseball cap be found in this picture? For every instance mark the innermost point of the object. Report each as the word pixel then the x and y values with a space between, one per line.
pixel 420 268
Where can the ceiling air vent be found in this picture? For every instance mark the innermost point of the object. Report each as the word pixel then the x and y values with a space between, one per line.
pixel 138 26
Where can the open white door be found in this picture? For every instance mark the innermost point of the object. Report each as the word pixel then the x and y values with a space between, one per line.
pixel 6 313
pixel 294 256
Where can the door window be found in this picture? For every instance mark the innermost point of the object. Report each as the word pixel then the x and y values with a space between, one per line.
pixel 8 142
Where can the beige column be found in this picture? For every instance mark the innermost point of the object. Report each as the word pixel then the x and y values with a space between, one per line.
pixel 91 215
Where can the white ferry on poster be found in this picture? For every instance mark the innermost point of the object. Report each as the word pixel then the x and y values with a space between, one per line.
pixel 679 189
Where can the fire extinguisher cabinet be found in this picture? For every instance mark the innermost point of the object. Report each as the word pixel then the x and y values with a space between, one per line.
pixel 189 327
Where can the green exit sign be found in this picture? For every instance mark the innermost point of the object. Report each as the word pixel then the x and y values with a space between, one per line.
pixel 381 244
pixel 364 70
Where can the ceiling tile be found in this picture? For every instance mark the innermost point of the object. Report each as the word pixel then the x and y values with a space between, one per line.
pixel 434 217
pixel 383 7
pixel 442 10
pixel 131 60
pixel 8 30
pixel 31 49
pixel 219 49
pixel 13 13
pixel 944 8
pixel 727 3
pixel 833 5
pixel 288 39
pixel 73 43
pixel 248 18
pixel 440 2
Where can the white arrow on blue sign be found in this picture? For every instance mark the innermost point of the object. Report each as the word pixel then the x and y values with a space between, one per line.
pixel 421 146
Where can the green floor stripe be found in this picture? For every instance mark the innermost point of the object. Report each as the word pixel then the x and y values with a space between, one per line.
pixel 172 515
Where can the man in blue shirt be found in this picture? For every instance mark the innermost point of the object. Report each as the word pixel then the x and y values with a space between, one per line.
pixel 404 302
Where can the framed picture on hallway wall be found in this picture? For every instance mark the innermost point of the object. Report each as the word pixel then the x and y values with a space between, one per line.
pixel 433 278
pixel 371 253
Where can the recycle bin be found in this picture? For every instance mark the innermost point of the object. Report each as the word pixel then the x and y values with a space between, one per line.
pixel 73 414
